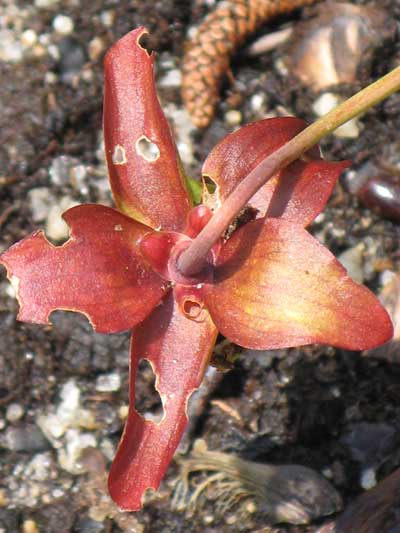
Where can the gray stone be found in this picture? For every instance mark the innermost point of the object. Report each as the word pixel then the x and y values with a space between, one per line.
pixel 87 525
pixel 352 259
pixel 25 438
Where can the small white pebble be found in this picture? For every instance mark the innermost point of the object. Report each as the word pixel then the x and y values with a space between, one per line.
pixel 54 52
pixel 387 276
pixel 39 51
pixel 70 396
pixel 349 130
pixel 87 74
pixel 46 499
pixel 352 259
pixel 167 62
pixel 51 425
pixel 56 228
pixel 95 48
pixel 108 382
pixel 192 32
pixel 14 412
pixel 171 79
pixel 257 102
pixel 108 448
pixel 50 78
pixel 251 507
pixel 368 478
pixel 29 38
pixel 336 392
pixel 338 233
pixel 123 412
pixel 57 493
pixel 327 472
pixel 10 50
pixel 69 454
pixel 233 117
pixel 365 222
pixel 325 103
pixel 328 101
pixel 11 290
pixel 281 67
pixel 231 519
pixel 208 519
pixel 320 218
pixel 184 130
pixel 107 18
pixel 45 39
pixel 63 24
pixel 40 201
pixel 46 3
pixel 78 178
pixel 29 526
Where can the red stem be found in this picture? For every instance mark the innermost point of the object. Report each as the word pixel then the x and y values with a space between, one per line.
pixel 193 259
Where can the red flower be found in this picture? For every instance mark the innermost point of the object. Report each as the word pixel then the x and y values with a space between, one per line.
pixel 270 285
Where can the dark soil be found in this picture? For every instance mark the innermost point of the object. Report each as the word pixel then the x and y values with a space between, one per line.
pixel 304 406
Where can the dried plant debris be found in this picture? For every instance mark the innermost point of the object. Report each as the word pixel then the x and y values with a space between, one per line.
pixel 329 48
pixel 376 510
pixel 206 59
pixel 287 493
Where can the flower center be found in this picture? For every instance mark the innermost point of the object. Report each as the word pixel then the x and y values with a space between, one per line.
pixel 162 250
pixel 177 276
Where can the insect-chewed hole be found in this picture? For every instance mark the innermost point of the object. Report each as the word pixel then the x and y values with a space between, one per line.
pixel 193 310
pixel 147 149
pixel 209 184
pixel 147 399
pixel 147 42
pixel 119 155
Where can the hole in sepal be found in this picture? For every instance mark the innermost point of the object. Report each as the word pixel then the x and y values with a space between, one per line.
pixel 147 42
pixel 209 184
pixel 147 149
pixel 147 399
pixel 193 310
pixel 210 193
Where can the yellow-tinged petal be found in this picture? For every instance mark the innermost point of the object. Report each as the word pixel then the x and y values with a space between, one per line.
pixel 275 286
pixel 297 193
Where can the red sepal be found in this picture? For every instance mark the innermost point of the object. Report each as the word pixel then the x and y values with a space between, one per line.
pixel 98 272
pixel 145 171
pixel 178 350
pixel 298 193
pixel 275 286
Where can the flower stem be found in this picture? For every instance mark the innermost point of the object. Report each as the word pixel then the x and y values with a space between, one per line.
pixel 193 259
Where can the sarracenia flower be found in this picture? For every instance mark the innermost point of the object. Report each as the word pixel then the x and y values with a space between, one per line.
pixel 269 285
